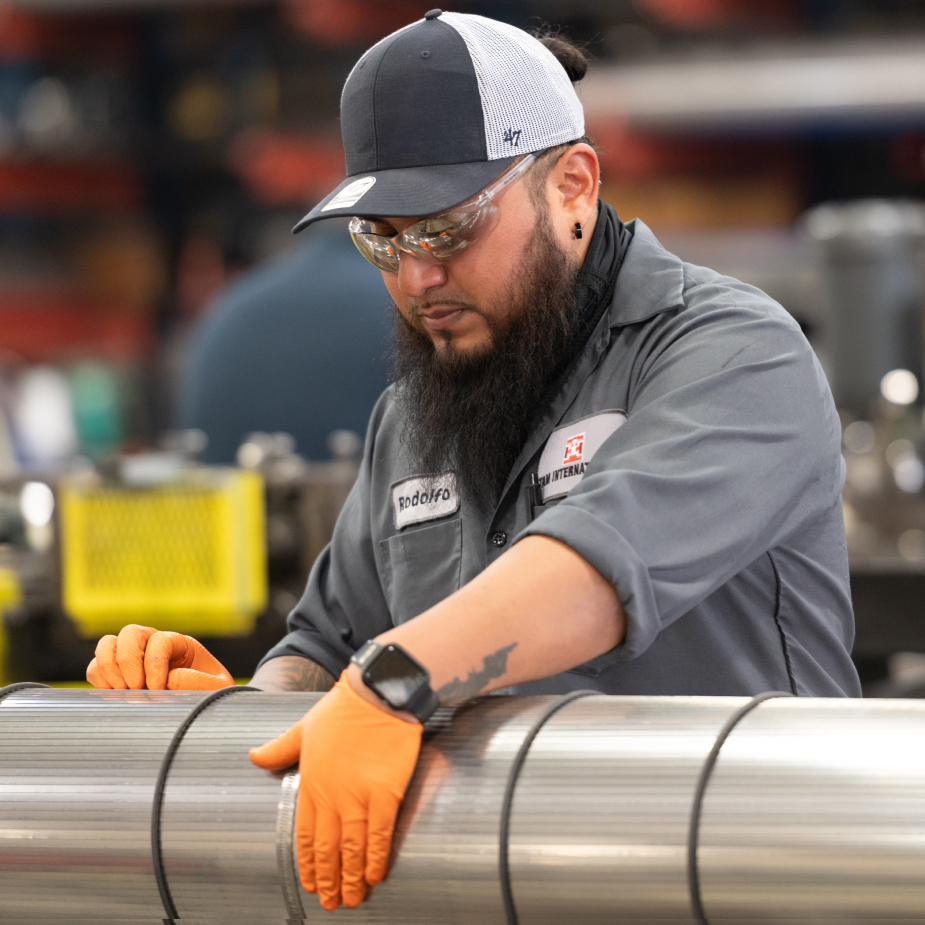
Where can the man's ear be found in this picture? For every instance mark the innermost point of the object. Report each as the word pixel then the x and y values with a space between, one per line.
pixel 574 182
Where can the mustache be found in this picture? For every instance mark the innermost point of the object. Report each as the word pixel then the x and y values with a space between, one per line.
pixel 416 307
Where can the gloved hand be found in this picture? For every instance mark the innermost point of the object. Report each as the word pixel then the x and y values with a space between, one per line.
pixel 355 762
pixel 141 657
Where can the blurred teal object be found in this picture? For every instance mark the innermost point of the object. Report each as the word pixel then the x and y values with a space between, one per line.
pixel 297 346
pixel 96 393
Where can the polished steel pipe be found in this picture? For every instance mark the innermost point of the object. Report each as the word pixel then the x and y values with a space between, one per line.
pixel 814 811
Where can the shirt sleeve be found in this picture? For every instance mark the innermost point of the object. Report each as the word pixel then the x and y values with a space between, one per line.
pixel 343 604
pixel 731 444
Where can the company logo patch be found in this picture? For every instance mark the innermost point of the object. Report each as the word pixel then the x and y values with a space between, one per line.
pixel 570 449
pixel 511 136
pixel 351 194
pixel 574 449
pixel 424 497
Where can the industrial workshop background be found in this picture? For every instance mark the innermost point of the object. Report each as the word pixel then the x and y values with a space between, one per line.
pixel 184 384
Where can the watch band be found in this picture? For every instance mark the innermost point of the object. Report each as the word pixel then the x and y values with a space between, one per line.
pixel 423 703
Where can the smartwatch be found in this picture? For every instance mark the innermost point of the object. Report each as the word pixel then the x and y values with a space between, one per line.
pixel 398 678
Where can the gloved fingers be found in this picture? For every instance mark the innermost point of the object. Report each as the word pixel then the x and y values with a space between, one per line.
pixel 106 662
pixel 164 651
pixel 382 813
pixel 353 862
pixel 95 676
pixel 203 660
pixel 327 857
pixel 280 752
pixel 305 840
pixel 188 679
pixel 130 654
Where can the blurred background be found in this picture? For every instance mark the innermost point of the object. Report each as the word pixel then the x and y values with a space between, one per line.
pixel 184 384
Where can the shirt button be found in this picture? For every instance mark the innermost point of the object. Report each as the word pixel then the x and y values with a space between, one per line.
pixel 499 538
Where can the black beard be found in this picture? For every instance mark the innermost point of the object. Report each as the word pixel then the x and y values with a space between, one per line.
pixel 471 412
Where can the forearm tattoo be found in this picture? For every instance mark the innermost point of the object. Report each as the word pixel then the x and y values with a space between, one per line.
pixel 493 666
pixel 293 673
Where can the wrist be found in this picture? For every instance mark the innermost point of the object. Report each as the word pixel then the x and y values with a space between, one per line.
pixel 355 680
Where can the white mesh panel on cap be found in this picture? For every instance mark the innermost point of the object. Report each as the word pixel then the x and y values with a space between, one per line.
pixel 527 99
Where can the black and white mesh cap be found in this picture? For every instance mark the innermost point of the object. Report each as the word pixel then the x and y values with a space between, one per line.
pixel 436 111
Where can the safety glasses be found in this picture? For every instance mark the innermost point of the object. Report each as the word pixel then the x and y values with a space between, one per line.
pixel 442 236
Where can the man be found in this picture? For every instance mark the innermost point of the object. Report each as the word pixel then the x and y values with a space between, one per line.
pixel 599 467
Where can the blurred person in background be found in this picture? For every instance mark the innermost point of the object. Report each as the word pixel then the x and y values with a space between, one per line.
pixel 599 467
pixel 298 345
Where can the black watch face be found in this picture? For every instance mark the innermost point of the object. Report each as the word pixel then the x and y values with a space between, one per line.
pixel 394 677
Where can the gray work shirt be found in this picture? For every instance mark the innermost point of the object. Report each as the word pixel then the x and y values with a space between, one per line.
pixel 691 455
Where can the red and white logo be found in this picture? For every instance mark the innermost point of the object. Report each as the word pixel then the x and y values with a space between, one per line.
pixel 574 449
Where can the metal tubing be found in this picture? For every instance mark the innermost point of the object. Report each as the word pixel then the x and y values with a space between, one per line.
pixel 817 812
pixel 77 774
pixel 814 811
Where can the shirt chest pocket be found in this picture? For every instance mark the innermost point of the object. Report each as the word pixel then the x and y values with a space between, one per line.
pixel 421 568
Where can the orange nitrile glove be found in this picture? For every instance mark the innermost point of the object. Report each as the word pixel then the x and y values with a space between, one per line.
pixel 141 658
pixel 355 762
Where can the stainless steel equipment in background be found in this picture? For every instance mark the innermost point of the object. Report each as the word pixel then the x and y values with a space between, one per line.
pixel 871 265
pixel 814 811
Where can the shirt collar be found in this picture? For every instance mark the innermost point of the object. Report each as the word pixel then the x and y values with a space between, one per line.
pixel 651 279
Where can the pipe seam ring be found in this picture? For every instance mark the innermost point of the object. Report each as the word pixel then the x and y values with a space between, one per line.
pixel 285 853
pixel 21 686
pixel 693 873
pixel 504 872
pixel 157 858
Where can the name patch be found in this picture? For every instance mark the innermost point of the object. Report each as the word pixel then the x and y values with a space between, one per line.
pixel 424 497
pixel 570 448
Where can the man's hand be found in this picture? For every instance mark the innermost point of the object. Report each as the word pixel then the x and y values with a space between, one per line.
pixel 355 762
pixel 142 658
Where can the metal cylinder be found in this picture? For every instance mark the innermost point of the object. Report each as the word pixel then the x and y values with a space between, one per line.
pixel 870 254
pixel 77 775
pixel 605 830
pixel 814 810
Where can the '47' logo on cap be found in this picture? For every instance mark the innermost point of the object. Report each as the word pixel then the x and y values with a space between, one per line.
pixel 511 136
pixel 574 449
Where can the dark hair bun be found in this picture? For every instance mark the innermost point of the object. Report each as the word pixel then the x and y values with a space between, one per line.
pixel 567 53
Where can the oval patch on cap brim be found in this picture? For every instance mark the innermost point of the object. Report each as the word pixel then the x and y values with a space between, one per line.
pixel 350 194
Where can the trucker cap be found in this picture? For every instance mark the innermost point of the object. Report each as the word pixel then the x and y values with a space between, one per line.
pixel 436 111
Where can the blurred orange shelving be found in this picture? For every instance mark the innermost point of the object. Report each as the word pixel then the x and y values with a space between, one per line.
pixel 54 323
pixel 49 186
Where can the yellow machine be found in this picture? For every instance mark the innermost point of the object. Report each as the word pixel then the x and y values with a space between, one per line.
pixel 159 539
pixel 188 555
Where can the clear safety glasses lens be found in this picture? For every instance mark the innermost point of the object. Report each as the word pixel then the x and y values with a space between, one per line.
pixel 440 237
pixel 378 249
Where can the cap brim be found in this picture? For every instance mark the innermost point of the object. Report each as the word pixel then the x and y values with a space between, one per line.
pixel 408 191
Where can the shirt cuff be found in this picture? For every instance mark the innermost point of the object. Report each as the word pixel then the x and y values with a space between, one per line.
pixel 599 544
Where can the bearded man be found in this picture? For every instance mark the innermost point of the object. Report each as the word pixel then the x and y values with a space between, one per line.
pixel 599 467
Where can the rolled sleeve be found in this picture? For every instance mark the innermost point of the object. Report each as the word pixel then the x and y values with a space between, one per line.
pixel 731 443
pixel 600 544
